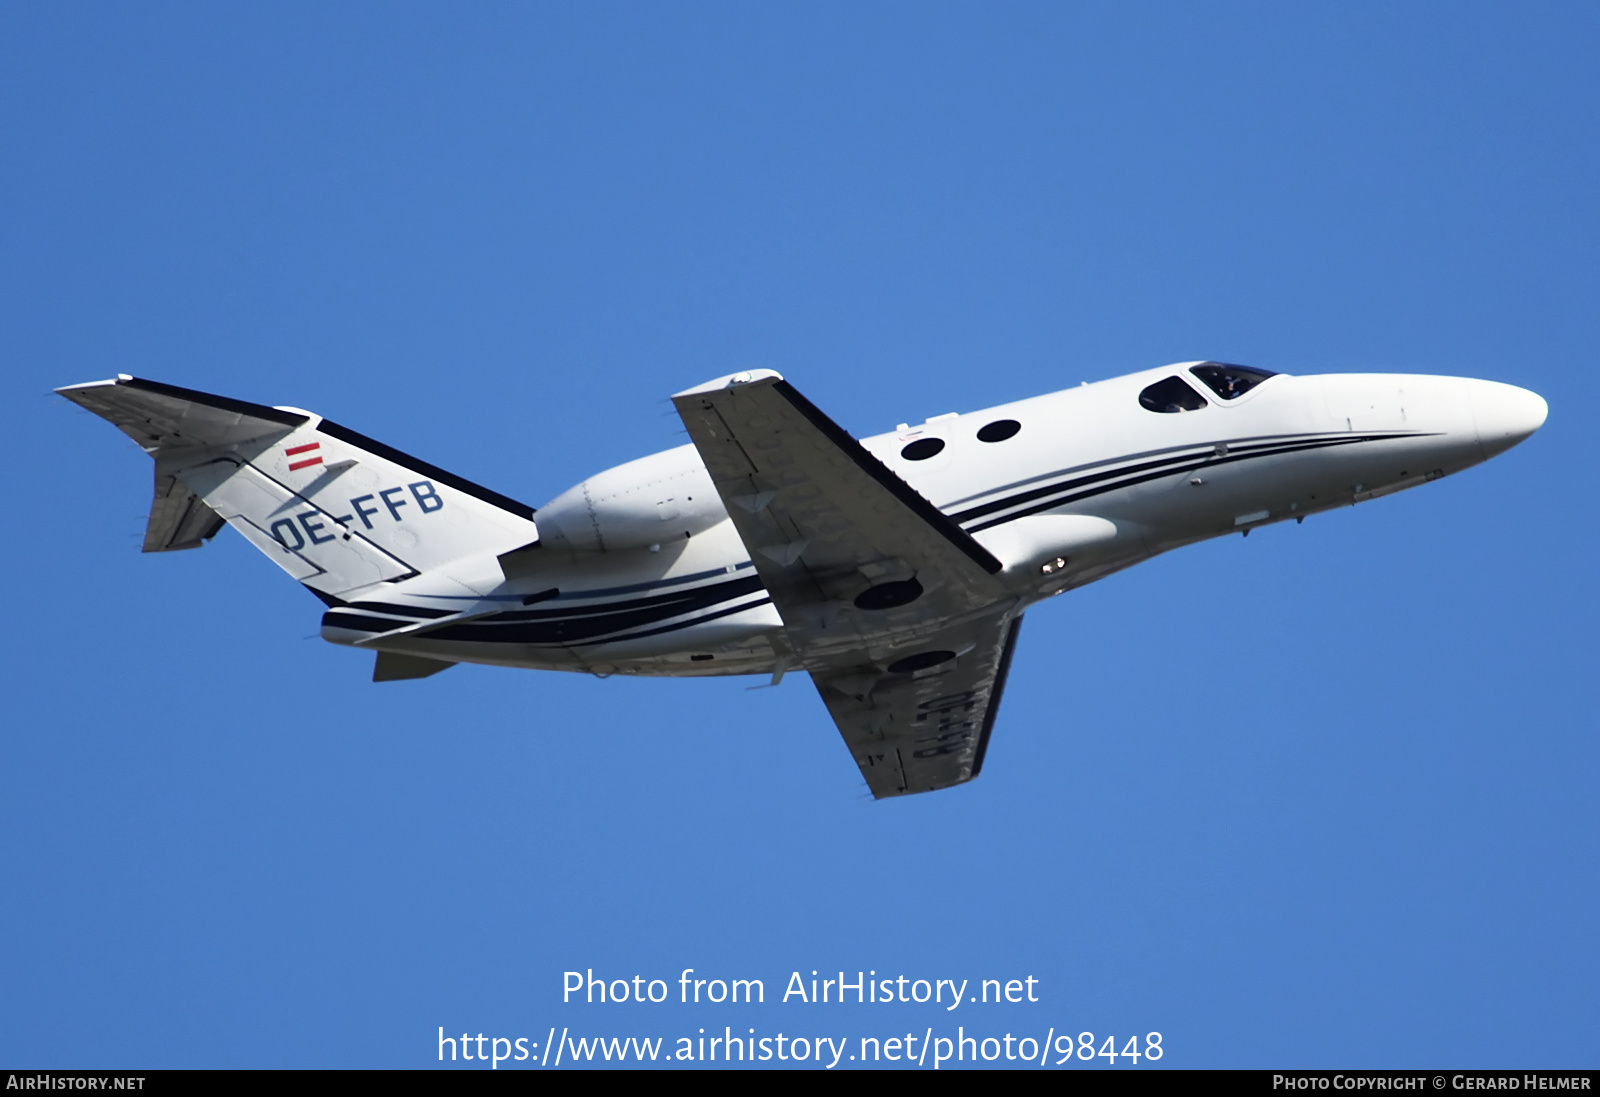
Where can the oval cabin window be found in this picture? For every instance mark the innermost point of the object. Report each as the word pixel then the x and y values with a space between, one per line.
pixel 999 430
pixel 922 449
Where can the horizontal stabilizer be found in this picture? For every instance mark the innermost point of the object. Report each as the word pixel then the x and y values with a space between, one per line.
pixel 178 519
pixel 165 417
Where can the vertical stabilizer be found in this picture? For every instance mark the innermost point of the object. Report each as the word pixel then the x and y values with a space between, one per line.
pixel 335 509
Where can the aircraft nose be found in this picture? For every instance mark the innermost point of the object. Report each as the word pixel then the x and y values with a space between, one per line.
pixel 1505 415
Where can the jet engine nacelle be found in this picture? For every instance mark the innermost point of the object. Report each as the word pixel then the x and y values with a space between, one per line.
pixel 652 501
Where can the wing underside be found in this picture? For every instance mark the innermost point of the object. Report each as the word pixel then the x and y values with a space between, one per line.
pixel 912 733
pixel 893 608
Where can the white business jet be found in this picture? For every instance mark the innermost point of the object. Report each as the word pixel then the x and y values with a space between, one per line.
pixel 894 570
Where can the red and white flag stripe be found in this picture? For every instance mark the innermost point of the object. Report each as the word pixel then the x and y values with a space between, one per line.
pixel 309 447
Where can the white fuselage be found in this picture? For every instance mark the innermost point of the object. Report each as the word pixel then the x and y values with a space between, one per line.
pixel 640 571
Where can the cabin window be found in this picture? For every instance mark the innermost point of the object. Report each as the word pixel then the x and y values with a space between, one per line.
pixel 999 430
pixel 922 449
pixel 1227 380
pixel 1171 395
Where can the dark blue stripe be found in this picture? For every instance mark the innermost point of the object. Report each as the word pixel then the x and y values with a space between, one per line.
pixel 575 624
pixel 1056 495
pixel 728 612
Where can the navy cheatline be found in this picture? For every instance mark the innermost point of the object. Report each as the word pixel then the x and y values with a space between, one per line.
pixel 1120 476
pixel 565 625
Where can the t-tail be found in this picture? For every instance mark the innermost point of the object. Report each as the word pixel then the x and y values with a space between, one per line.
pixel 337 510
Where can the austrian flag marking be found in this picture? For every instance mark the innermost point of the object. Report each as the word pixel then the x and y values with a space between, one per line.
pixel 309 461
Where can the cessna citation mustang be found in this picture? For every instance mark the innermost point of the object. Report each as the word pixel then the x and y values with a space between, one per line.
pixel 894 570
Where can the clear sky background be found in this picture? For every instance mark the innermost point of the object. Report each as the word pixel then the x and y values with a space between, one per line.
pixel 1325 797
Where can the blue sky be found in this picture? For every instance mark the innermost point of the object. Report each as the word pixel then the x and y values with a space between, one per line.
pixel 1324 797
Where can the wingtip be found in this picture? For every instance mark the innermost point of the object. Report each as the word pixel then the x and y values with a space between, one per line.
pixel 121 378
pixel 732 381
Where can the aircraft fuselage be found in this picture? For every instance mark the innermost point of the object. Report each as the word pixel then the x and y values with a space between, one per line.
pixel 639 569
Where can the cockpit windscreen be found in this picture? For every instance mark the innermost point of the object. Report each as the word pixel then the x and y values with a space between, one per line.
pixel 1227 380
pixel 1170 396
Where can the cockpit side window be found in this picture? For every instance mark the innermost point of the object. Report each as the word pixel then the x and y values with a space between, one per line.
pixel 1227 380
pixel 1171 395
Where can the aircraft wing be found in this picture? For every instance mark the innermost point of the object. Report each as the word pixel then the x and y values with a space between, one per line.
pixel 885 600
pixel 911 733
pixel 826 522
